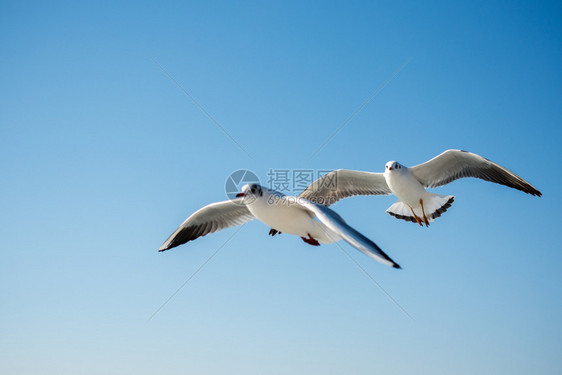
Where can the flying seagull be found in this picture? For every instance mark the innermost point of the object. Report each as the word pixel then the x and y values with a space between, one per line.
pixel 312 222
pixel 414 203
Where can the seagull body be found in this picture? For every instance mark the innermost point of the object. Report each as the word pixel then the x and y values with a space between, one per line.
pixel 312 222
pixel 413 200
pixel 414 204
pixel 283 212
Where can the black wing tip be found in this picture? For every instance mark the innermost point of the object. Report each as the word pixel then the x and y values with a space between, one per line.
pixel 528 189
pixel 170 246
pixel 535 193
pixel 162 249
pixel 397 266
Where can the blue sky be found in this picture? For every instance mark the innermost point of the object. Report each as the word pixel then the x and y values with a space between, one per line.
pixel 102 156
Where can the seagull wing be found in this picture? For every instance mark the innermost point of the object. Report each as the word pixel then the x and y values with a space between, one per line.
pixel 343 183
pixel 336 224
pixel 209 219
pixel 454 164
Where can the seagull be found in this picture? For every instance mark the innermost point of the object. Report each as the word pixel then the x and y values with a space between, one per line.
pixel 313 222
pixel 414 204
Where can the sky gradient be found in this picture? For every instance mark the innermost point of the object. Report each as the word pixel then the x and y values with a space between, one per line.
pixel 103 155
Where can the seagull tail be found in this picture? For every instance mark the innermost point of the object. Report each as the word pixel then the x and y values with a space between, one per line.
pixel 434 206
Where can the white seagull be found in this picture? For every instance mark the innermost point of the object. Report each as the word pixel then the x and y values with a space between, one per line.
pixel 312 222
pixel 414 203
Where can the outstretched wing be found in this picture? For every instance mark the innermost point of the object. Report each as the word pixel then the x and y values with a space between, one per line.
pixel 209 219
pixel 343 183
pixel 454 164
pixel 335 223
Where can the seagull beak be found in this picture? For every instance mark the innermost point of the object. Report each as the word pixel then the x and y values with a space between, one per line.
pixel 240 195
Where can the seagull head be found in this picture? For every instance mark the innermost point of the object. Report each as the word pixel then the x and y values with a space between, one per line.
pixel 392 166
pixel 250 191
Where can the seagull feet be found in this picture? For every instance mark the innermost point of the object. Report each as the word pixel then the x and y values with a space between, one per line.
pixel 310 240
pixel 416 217
pixel 273 232
pixel 424 217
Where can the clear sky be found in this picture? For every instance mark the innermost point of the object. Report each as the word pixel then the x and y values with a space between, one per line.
pixel 102 156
